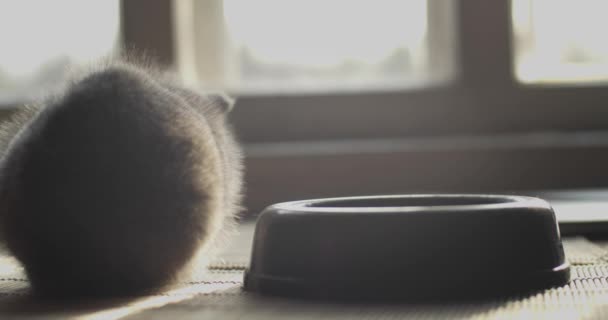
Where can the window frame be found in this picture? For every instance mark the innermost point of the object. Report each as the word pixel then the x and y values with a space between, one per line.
pixel 484 98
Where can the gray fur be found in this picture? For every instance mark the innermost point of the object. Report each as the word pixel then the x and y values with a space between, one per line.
pixel 115 185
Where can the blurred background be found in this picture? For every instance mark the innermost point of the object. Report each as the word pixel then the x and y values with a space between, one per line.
pixel 339 97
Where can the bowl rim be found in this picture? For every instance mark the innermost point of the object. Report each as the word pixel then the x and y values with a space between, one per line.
pixel 502 202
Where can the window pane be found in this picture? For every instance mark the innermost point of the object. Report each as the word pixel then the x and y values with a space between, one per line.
pixel 319 45
pixel 560 41
pixel 40 38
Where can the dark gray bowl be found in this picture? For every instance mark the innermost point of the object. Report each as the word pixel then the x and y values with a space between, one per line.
pixel 407 247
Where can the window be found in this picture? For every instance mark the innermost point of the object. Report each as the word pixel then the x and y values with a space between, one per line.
pixel 460 111
pixel 560 41
pixel 41 38
pixel 278 46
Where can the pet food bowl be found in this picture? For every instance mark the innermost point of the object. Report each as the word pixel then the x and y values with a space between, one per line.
pixel 407 247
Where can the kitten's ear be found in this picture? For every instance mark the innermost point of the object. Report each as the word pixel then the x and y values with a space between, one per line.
pixel 221 101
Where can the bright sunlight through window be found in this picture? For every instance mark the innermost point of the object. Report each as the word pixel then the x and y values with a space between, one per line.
pixel 41 38
pixel 559 41
pixel 313 45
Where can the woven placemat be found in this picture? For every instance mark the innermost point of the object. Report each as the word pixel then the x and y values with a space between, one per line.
pixel 217 294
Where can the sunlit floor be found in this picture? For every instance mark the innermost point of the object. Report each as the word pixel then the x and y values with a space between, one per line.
pixel 218 295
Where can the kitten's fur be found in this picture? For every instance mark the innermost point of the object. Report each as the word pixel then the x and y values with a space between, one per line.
pixel 113 186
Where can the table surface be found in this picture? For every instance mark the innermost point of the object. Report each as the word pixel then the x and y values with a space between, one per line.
pixel 217 294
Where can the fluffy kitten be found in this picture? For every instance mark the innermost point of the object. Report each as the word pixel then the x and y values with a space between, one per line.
pixel 116 184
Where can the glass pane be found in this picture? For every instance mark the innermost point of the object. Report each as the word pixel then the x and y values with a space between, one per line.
pixel 560 41
pixel 40 38
pixel 320 45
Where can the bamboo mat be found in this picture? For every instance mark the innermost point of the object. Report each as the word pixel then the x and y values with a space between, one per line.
pixel 217 294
